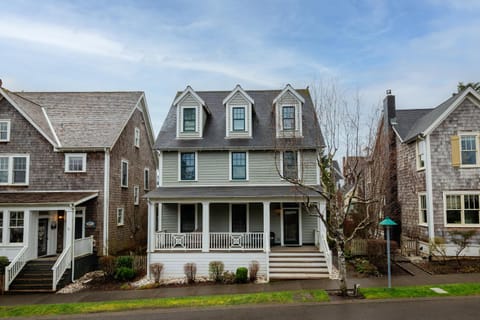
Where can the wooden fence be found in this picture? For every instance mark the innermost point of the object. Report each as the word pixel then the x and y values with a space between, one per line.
pixel 140 264
pixel 358 247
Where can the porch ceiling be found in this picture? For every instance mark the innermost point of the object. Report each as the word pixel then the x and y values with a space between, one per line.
pixel 229 192
pixel 46 197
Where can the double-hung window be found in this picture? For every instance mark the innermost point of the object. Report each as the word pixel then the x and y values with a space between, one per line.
pixel 136 138
pixel 124 174
pixel 136 195
pixel 239 165
pixel 4 130
pixel 146 179
pixel 75 162
pixel 421 154
pixel 16 226
pixel 120 216
pixel 187 166
pixel 462 209
pixel 422 208
pixel 290 165
pixel 189 119
pixel 288 118
pixel 14 170
pixel 238 118
pixel 468 145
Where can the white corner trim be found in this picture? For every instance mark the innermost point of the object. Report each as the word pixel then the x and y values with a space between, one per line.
pixel 59 145
pixel 429 189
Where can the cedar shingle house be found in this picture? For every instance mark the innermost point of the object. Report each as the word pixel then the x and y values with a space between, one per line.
pixel 221 195
pixel 73 169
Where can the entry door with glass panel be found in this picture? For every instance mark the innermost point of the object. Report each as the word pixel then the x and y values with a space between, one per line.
pixel 290 227
pixel 42 237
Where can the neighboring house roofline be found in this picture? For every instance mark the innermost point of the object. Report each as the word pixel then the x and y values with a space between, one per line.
pixel 4 93
pixel 238 88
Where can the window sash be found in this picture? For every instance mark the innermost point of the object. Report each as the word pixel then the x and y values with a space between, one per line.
pixel 238 116
pixel 136 138
pixel 189 119
pixel 75 163
pixel 421 154
pixel 468 145
pixel 4 130
pixel 239 165
pixel 124 174
pixel 423 208
pixel 4 168
pixel 120 216
pixel 463 209
pixel 146 179
pixel 136 195
pixel 187 166
pixel 19 170
pixel 290 165
pixel 16 226
pixel 288 118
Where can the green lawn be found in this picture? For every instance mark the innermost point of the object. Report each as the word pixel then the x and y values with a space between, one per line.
pixel 200 301
pixel 458 289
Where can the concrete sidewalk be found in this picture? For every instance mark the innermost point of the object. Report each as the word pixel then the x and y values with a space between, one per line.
pixel 202 290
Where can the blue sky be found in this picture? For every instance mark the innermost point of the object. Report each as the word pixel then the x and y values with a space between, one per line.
pixel 419 49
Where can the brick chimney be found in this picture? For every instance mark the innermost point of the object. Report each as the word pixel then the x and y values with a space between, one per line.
pixel 389 109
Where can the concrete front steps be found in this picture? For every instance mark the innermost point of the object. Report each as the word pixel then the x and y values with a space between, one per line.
pixel 292 264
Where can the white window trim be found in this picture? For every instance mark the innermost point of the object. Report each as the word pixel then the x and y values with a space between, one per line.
pixel 121 213
pixel 8 130
pixel 179 159
pixel 10 169
pixel 136 195
pixel 121 174
pixel 420 214
pixel 136 138
pixel 247 216
pixel 197 116
pixel 247 176
pixel 84 162
pixel 8 227
pixel 462 214
pixel 247 133
pixel 477 140
pixel 80 212
pixel 146 172
pixel 417 154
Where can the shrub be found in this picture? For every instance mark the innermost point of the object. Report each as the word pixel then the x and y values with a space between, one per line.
pixel 107 265
pixel 156 269
pixel 363 266
pixel 228 277
pixel 215 269
pixel 253 270
pixel 241 276
pixel 3 263
pixel 190 270
pixel 125 261
pixel 124 273
pixel 377 253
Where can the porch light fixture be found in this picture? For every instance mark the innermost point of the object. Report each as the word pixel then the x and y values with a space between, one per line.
pixel 53 225
pixel 387 223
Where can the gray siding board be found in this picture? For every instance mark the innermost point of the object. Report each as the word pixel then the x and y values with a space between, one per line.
pixel 170 217
pixel 256 217
pixel 219 217
pixel 309 224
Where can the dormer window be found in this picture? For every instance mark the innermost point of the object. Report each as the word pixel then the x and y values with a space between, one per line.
pixel 238 121
pixel 4 130
pixel 288 117
pixel 189 119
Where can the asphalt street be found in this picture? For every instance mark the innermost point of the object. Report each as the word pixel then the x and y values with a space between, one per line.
pixel 458 308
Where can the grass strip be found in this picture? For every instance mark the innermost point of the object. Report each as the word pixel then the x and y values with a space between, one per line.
pixel 179 302
pixel 456 289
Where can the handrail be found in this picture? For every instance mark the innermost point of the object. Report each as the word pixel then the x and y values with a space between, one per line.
pixel 83 246
pixel 63 263
pixel 327 252
pixel 17 264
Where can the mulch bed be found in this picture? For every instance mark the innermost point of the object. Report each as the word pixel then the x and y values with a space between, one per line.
pixel 451 266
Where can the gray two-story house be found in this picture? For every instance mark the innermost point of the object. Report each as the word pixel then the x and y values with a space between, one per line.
pixel 74 167
pixel 436 163
pixel 222 197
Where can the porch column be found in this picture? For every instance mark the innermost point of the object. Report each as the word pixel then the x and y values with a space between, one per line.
pixel 266 226
pixel 205 226
pixel 69 218
pixel 151 227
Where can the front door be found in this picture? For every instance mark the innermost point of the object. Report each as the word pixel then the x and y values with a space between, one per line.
pixel 290 227
pixel 42 237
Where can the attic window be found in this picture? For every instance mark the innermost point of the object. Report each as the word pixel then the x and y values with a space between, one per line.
pixel 238 118
pixel 189 119
pixel 288 118
pixel 136 139
pixel 75 162
pixel 4 130
pixel 421 154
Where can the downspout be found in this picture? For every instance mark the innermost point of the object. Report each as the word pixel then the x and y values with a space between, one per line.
pixel 106 199
pixel 429 187
pixel 72 245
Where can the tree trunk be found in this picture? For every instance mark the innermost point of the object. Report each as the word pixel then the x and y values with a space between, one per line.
pixel 342 269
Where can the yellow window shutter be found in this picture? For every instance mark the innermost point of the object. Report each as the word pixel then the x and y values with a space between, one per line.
pixel 455 150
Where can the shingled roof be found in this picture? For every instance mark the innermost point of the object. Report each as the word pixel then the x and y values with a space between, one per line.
pixel 263 125
pixel 77 119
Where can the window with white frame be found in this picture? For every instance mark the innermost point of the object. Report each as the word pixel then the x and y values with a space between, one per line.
pixel 187 166
pixel 422 209
pixel 136 195
pixel 290 165
pixel 4 130
pixel 420 154
pixel 14 169
pixel 124 174
pixel 136 138
pixel 189 119
pixel 75 162
pixel 462 209
pixel 288 118
pixel 16 226
pixel 120 216
pixel 468 148
pixel 146 179
pixel 239 165
pixel 238 118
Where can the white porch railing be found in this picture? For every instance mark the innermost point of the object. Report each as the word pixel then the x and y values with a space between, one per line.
pixel 236 240
pixel 63 262
pixel 17 264
pixel 83 247
pixel 184 241
pixel 322 244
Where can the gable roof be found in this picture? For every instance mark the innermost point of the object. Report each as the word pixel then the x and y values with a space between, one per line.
pixel 238 88
pixel 414 122
pixel 80 120
pixel 263 125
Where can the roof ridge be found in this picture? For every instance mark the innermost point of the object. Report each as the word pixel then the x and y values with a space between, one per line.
pixel 134 91
pixel 33 102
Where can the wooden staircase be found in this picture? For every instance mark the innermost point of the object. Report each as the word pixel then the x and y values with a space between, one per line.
pixel 37 276
pixel 295 264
